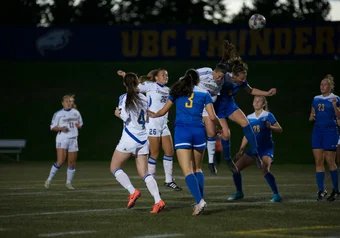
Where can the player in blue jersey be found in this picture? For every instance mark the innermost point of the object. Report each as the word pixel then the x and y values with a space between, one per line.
pixel 189 130
pixel 325 110
pixel 263 123
pixel 226 107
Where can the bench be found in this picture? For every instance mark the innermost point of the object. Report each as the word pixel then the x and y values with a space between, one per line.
pixel 12 147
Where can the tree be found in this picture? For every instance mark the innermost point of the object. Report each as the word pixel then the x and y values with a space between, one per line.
pixel 277 11
pixel 173 12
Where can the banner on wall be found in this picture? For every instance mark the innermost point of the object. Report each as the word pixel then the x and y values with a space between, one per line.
pixel 182 43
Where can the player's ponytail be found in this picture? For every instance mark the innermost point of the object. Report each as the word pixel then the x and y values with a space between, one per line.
pixel 184 86
pixel 330 80
pixel 230 57
pixel 132 97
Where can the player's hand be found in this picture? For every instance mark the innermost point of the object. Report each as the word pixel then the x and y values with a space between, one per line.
pixel 272 92
pixel 312 117
pixel 64 129
pixel 268 125
pixel 121 73
pixel 334 101
pixel 239 154
pixel 219 131
pixel 78 125
pixel 151 114
pixel 117 112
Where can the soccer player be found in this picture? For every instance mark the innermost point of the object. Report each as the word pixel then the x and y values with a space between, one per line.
pixel 263 123
pixel 325 110
pixel 226 107
pixel 189 130
pixel 134 141
pixel 338 148
pixel 66 122
pixel 211 81
pixel 157 128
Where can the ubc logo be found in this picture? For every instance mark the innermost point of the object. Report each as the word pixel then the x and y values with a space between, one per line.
pixel 53 40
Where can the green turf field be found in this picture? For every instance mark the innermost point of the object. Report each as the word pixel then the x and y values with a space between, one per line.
pixel 97 207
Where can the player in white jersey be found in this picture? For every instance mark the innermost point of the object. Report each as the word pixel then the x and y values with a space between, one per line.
pixel 66 122
pixel 134 141
pixel 212 81
pixel 157 128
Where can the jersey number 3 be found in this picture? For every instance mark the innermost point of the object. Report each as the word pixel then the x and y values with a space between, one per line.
pixel 141 119
pixel 189 104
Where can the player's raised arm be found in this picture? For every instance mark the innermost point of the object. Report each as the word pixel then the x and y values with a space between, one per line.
pixel 258 92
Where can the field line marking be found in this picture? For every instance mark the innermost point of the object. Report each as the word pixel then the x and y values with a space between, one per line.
pixel 66 233
pixel 160 235
pixel 283 229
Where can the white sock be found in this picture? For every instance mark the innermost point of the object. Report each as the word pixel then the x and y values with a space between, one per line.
pixel 70 174
pixel 124 180
pixel 53 171
pixel 211 146
pixel 152 166
pixel 151 184
pixel 168 164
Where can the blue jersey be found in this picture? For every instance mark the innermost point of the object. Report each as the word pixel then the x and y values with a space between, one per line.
pixel 189 108
pixel 229 88
pixel 325 118
pixel 262 133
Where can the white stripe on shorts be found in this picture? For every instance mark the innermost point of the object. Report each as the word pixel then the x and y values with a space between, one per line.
pixel 200 145
pixel 182 144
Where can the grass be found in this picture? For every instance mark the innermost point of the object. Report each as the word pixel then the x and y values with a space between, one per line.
pixel 97 208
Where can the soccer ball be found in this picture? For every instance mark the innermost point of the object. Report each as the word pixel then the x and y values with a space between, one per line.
pixel 257 22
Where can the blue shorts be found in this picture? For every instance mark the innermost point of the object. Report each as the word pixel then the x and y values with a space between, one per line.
pixel 190 138
pixel 263 152
pixel 224 109
pixel 325 140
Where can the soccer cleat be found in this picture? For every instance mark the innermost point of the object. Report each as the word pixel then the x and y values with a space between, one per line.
pixel 47 184
pixel 335 193
pixel 276 198
pixel 133 198
pixel 172 185
pixel 212 168
pixel 258 161
pixel 321 195
pixel 198 209
pixel 232 166
pixel 156 208
pixel 69 186
pixel 236 196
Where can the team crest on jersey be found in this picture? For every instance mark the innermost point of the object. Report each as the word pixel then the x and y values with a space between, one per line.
pixel 75 114
pixel 264 119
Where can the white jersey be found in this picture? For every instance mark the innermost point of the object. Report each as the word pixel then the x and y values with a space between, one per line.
pixel 157 95
pixel 208 83
pixel 134 121
pixel 67 118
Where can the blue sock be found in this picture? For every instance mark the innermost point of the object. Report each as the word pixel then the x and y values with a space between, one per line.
pixel 249 134
pixel 200 180
pixel 271 182
pixel 320 177
pixel 238 181
pixel 193 187
pixel 335 179
pixel 226 149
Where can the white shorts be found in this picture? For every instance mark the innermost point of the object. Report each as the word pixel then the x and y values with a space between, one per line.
pixel 129 145
pixel 157 128
pixel 205 113
pixel 70 144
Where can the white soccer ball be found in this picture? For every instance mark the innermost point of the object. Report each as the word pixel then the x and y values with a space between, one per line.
pixel 257 22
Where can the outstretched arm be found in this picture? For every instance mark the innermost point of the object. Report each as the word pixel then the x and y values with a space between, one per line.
pixel 258 92
pixel 161 112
